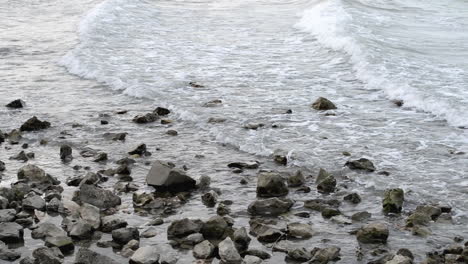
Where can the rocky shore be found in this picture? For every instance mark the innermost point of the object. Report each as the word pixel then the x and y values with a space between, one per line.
pixel 136 205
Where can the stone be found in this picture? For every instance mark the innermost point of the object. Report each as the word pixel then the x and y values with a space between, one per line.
pixel 66 153
pixel 46 255
pixel 296 180
pixel 8 254
pixel 244 165
pixel 34 202
pixel 326 183
pixel 361 216
pixel 214 228
pixel 210 198
pixel 125 234
pixel 161 111
pixel 184 227
pixel 258 253
pixel 104 199
pixel 228 252
pixel 280 157
pixel 204 182
pixel 353 198
pixel 375 233
pixel 139 150
pixel 270 206
pixel 299 230
pixel 87 256
pixel 64 243
pixel 3 202
pixel 323 104
pixel 2 166
pixel 32 173
pixel 21 156
pixel 418 218
pixel 241 239
pixel 203 250
pixel 271 184
pixel 361 164
pixel 270 235
pixel 144 119
pixel 11 232
pixel 393 201
pixel 112 222
pixel 101 157
pixel 252 260
pixel 81 230
pixel 18 103
pixel 398 259
pixel 150 232
pixel 155 222
pixel 325 255
pixel 330 212
pixel 91 215
pixel 7 215
pixel 299 254
pixel 34 124
pixel 172 132
pixel 55 205
pixel 191 240
pixel 47 229
pixel 145 255
pixel 14 137
pixel 165 177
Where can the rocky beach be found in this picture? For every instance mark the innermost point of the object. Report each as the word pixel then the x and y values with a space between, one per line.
pixel 93 172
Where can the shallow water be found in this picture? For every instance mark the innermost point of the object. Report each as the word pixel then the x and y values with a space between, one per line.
pixel 261 58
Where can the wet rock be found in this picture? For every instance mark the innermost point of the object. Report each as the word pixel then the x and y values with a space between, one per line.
pixel 216 120
pixel 330 212
pixel 361 164
pixel 165 177
pixel 321 204
pixel 87 256
pixel 203 250
pixel 18 103
pixel 125 234
pixel 14 137
pixel 32 173
pixel 375 233
pixel 139 150
pixel 81 230
pixel 223 209
pixel 253 126
pixel 150 232
pixel 398 102
pixel 244 165
pixel 34 124
pixel 270 235
pixel 398 259
pixel 252 260
pixel 7 215
pixel 46 255
pixel 296 180
pixel 361 216
pixel 64 243
pixel 7 254
pixel 66 153
pixel 299 230
pixel 47 229
pixel 34 202
pixel 430 210
pixel 214 228
pixel 393 200
pixel 172 132
pixel 323 104
pixel 190 241
pixel 341 220
pixel 112 222
pixel 420 231
pixel 2 137
pixel 184 227
pixel 11 232
pixel 299 254
pixel 119 136
pixel 161 111
pixel 144 119
pixel 2 166
pixel 271 184
pixel 155 222
pixel 280 157
pixel 353 198
pixel 145 255
pixel 326 183
pixel 241 239
pixel 213 103
pixel 21 156
pixel 91 215
pixel 210 198
pixel 3 202
pixel 325 255
pixel 99 197
pixel 228 252
pixel 101 157
pixel 418 218
pixel 270 206
pixel 258 253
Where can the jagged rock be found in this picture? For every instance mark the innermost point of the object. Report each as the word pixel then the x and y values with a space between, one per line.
pixel 241 239
pixel 145 255
pixel 99 197
pixel 375 233
pixel 161 111
pixel 14 137
pixel 203 250
pixel 418 218
pixel 296 180
pixel 190 241
pixel 258 253
pixel 34 124
pixel 21 156
pixel 210 198
pixel 125 234
pixel 353 198
pixel 184 227
pixel 66 153
pixel 271 184
pixel 47 229
pixel 91 215
pixel 32 173
pixel 270 206
pixel 393 200
pixel 139 150
pixel 280 157
pixel 326 183
pixel 165 177
pixel 223 209
pixel 299 254
pixel 87 256
pixel 8 254
pixel 299 230
pixel 101 157
pixel 81 230
pixel 270 235
pixel 64 243
pixel 323 104
pixel 34 202
pixel 144 119
pixel 361 164
pixel 214 228
pixel 46 255
pixel 11 232
pixel 325 255
pixel 7 215
pixel 228 252
pixel 18 103
pixel 112 222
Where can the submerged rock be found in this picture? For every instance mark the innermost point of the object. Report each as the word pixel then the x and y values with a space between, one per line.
pixel 326 183
pixel 18 103
pixel 270 206
pixel 34 124
pixel 280 157
pixel 14 137
pixel 271 184
pixel 393 201
pixel 144 119
pixel 297 179
pixel 323 104
pixel 161 111
pixel 299 230
pixel 165 177
pixel 2 166
pixel 66 153
pixel 376 233
pixel 353 198
pixel 139 150
pixel 361 164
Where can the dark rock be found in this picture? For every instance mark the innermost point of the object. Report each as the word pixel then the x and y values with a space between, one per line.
pixel 204 182
pixel 296 180
pixel 184 227
pixel 125 234
pixel 112 222
pixel 81 230
pixel 228 252
pixel 398 103
pixel 280 157
pixel 172 133
pixel 330 212
pixel 196 85
pixel 8 254
pixel 14 137
pixel 210 198
pixel 139 150
pixel 144 119
pixel 253 126
pixel 66 153
pixel 405 252
pixel 418 218
pixel 214 228
pixel 104 122
pixel 325 255
pixel 145 255
pixel 244 165
pixel 18 103
pixel 271 184
pixel 326 183
pixel 87 256
pixel 165 177
pixel 119 136
pixel 101 157
pixel 353 198
pixel 299 230
pixel 299 254
pixel 241 239
pixel 270 206
pixel 161 111
pixel 46 255
pixel 21 156
pixel 203 250
pixel 361 164
pixel 34 124
pixel 7 215
pixel 213 103
pixel 11 232
pixel 32 173
pixel 393 200
pixel 376 233
pixel 190 241
pixel 99 197
pixel 2 137
pixel 320 204
pixel 323 104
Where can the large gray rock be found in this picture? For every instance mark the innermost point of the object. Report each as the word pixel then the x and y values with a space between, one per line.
pixel 46 255
pixel 34 124
pixel 32 173
pixel 271 184
pixel 325 255
pixel 299 230
pixel 214 228
pixel 376 233
pixel 87 256
pixel 81 230
pixel 249 259
pixel 299 254
pixel 203 250
pixel 184 227
pixel 112 222
pixel 34 202
pixel 393 201
pixel 91 215
pixel 270 206
pixel 228 252
pixel 99 197
pixel 11 232
pixel 326 183
pixel 163 176
pixel 241 239
pixel 46 229
pixel 8 254
pixel 7 215
pixel 125 234
pixel 145 255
